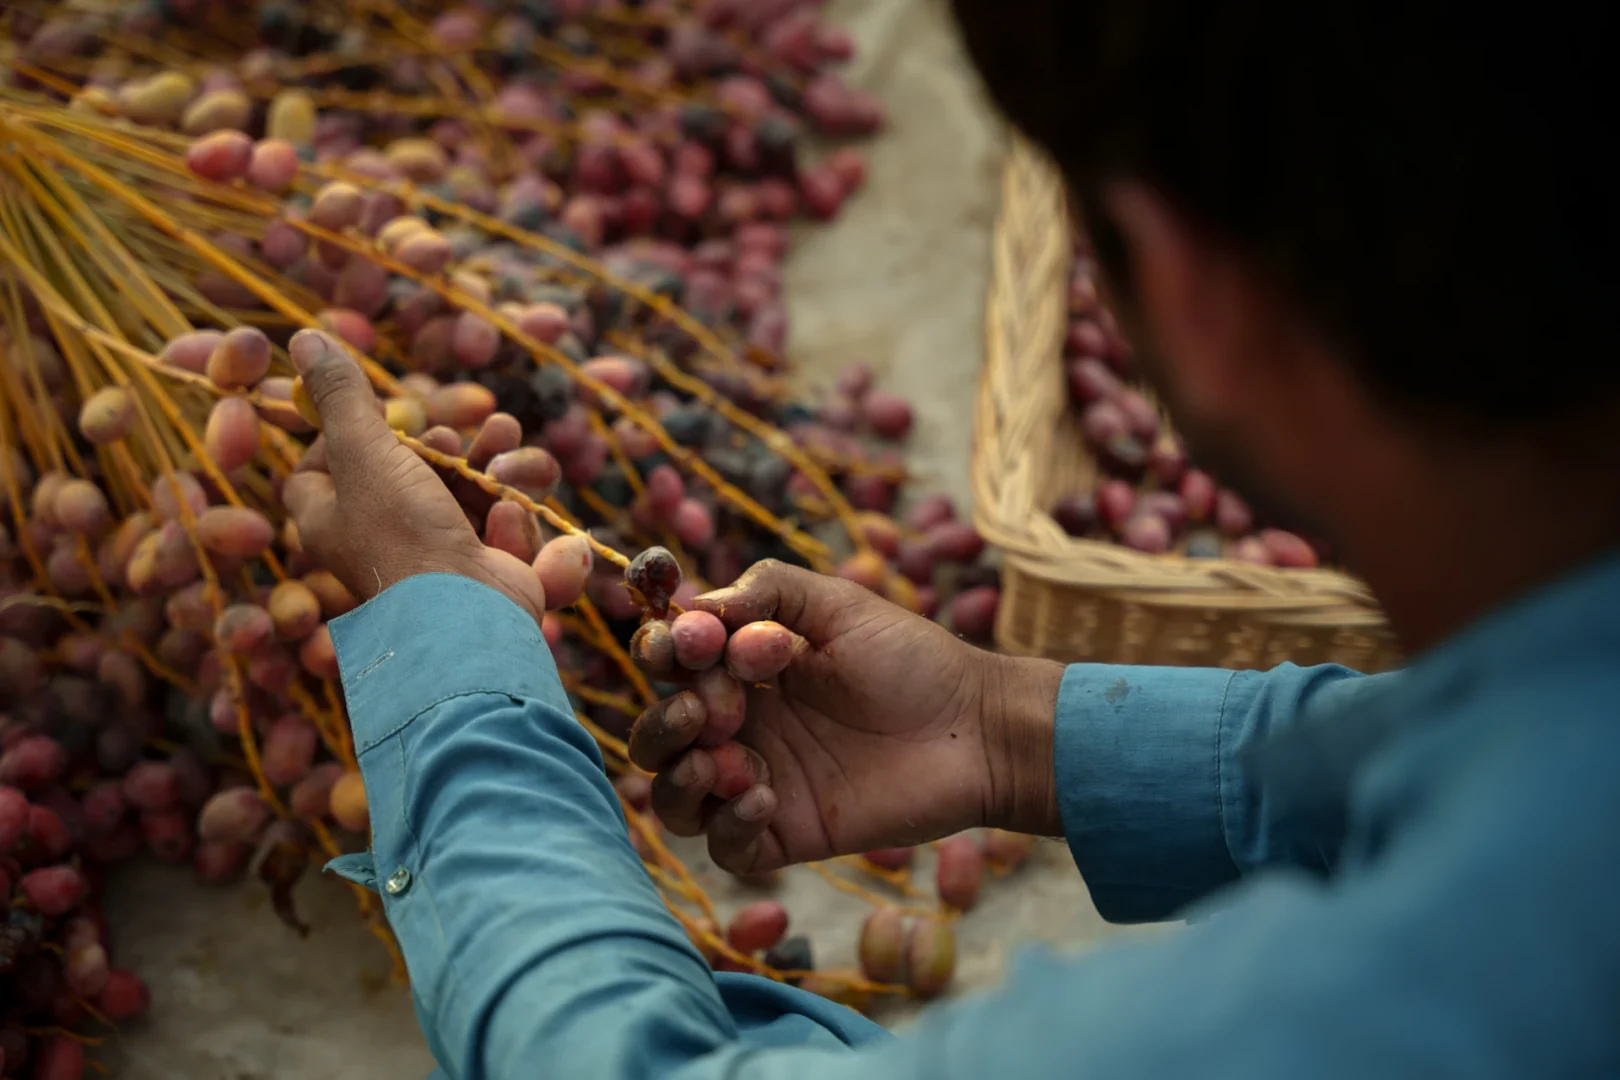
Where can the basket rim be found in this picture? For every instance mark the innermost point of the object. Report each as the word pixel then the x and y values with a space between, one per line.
pixel 1031 196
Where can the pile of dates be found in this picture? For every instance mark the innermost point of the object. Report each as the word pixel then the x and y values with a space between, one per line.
pixel 1149 497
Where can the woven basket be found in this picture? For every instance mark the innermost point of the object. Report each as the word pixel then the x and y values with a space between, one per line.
pixel 1074 600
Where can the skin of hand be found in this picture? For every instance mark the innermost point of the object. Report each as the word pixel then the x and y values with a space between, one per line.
pixel 368 509
pixel 884 729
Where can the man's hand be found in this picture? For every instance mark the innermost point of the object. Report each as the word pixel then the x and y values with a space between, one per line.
pixel 368 509
pixel 884 729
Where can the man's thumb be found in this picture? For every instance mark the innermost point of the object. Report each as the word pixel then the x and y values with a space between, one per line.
pixel 804 602
pixel 337 388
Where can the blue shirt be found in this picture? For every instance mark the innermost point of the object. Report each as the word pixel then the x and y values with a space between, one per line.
pixel 1410 874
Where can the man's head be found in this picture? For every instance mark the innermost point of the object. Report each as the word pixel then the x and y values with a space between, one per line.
pixel 1351 234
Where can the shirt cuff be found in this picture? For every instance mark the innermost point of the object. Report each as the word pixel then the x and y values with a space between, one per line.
pixel 1139 767
pixel 431 638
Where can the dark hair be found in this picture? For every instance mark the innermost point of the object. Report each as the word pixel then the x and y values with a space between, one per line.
pixel 1425 179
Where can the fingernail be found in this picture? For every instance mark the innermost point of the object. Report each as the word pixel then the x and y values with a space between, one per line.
pixel 753 804
pixel 714 594
pixel 684 774
pixel 306 348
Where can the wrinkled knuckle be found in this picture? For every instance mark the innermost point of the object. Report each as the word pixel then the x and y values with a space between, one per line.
pixel 849 595
pixel 329 379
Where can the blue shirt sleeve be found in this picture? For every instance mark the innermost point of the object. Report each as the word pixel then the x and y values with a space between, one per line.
pixel 1157 803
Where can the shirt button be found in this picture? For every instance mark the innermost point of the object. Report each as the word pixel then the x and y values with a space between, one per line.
pixel 398 881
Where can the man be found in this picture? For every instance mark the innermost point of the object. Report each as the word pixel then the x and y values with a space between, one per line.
pixel 1372 256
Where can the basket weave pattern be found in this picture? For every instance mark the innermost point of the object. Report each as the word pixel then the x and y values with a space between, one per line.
pixel 1073 600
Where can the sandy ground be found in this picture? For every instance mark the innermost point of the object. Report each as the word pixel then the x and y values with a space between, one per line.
pixel 898 282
